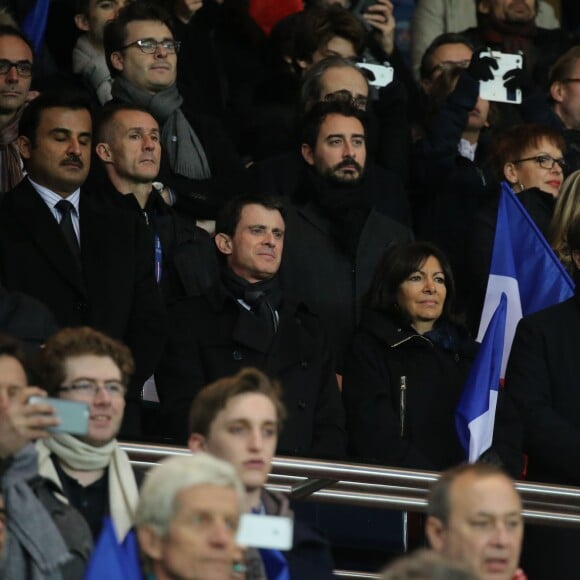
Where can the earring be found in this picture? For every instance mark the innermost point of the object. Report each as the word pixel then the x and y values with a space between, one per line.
pixel 521 185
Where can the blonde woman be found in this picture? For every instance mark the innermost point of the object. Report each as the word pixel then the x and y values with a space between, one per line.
pixel 567 208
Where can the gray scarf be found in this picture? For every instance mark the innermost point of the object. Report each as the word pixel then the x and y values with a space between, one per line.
pixel 92 65
pixel 34 548
pixel 184 149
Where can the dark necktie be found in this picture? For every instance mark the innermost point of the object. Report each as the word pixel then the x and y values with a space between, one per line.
pixel 65 208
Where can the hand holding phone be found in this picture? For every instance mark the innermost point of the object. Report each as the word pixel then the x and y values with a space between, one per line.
pixel 496 89
pixel 73 415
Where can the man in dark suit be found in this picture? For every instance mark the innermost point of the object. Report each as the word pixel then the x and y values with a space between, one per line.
pixel 88 264
pixel 335 237
pixel 248 320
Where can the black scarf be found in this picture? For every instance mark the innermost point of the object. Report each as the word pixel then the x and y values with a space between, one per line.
pixel 347 208
pixel 264 297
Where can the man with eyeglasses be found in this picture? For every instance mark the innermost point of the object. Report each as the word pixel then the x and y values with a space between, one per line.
pixel 16 58
pixel 92 471
pixel 199 166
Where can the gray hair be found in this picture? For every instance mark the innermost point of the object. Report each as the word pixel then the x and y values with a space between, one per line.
pixel 425 564
pixel 157 500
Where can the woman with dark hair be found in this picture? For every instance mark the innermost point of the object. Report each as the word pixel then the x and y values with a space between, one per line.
pixel 407 363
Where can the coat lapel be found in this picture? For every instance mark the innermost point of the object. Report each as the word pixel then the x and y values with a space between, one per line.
pixel 37 219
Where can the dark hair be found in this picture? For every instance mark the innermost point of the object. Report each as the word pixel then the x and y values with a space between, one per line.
pixel 426 67
pixel 50 99
pixel 311 90
pixel 312 119
pixel 512 143
pixel 13 348
pixel 106 114
pixel 215 396
pixel 115 31
pixel 439 498
pixel 78 341
pixel 394 267
pixel 318 25
pixel 8 30
pixel 229 216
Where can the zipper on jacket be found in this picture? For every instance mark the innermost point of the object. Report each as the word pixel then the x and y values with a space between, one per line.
pixel 402 403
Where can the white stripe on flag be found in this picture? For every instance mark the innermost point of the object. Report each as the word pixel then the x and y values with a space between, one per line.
pixel 481 429
pixel 495 286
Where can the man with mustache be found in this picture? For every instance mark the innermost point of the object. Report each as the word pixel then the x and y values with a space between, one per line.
pixel 249 320
pixel 89 264
pixel 335 235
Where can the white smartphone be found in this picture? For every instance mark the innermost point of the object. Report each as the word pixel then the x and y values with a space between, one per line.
pixel 261 531
pixel 493 90
pixel 73 415
pixel 379 75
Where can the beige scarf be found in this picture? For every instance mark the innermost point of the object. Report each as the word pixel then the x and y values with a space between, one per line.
pixel 123 492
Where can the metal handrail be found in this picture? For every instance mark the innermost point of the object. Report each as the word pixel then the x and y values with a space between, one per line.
pixel 368 485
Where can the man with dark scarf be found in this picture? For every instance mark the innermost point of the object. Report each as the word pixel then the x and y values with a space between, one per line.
pixel 250 320
pixel 200 166
pixel 510 26
pixel 336 235
pixel 17 54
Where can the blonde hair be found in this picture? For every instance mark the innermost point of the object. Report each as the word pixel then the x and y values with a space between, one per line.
pixel 567 208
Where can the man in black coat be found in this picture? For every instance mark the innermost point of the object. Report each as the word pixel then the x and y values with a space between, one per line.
pixel 249 320
pixel 128 145
pixel 89 265
pixel 199 163
pixel 335 237
pixel 542 376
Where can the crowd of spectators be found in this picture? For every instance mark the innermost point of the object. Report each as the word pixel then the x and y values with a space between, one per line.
pixel 192 188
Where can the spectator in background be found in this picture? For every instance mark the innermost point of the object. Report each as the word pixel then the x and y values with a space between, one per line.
pixel 198 163
pixel 128 145
pixel 91 470
pixel 407 363
pixel 541 378
pixel 426 564
pixel 238 419
pixel 88 56
pixel 560 107
pixel 43 537
pixel 16 61
pixel 333 211
pixel 566 210
pixel 434 17
pixel 186 521
pixel 87 263
pixel 511 27
pixel 248 319
pixel 530 158
pixel 474 516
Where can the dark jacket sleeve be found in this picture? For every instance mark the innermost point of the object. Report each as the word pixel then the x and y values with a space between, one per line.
pixel 550 439
pixel 372 423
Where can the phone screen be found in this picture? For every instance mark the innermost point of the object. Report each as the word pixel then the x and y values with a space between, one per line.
pixel 73 415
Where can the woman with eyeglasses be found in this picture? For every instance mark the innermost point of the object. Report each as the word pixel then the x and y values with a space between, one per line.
pixel 530 158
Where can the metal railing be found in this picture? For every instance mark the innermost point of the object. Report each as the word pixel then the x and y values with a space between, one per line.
pixel 381 487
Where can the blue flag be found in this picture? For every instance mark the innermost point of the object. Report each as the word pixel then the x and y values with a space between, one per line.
pixel 525 269
pixel 111 560
pixel 34 23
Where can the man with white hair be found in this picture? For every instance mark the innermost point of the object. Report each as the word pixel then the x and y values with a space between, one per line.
pixel 187 518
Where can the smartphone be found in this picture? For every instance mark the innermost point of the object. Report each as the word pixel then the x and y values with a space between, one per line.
pixel 493 90
pixel 377 75
pixel 261 531
pixel 73 415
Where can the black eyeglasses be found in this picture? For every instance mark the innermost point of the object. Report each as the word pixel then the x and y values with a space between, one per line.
pixel 150 45
pixel 544 161
pixel 23 67
pixel 90 388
